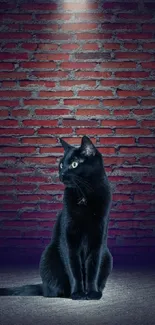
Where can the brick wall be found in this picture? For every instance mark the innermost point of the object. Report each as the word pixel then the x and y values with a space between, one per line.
pixel 69 69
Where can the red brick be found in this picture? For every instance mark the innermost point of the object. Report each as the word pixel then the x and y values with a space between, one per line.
pixel 89 47
pixel 4 113
pixel 132 93
pixel 41 102
pixel 39 160
pixel 135 36
pixel 47 47
pixel 133 56
pixel 16 17
pixel 53 16
pixel 136 150
pixel 55 131
pixel 148 102
pixel 93 131
pixel 132 74
pixel 9 103
pixel 133 131
pixel 20 224
pixel 134 207
pixel 32 179
pixel 93 36
pixel 51 187
pixel 117 140
pixel 12 75
pixel 13 56
pixel 142 197
pixel 147 160
pixel 40 27
pixel 8 84
pixel 120 5
pixel 148 123
pixel 149 46
pixel 72 6
pixel 114 123
pixel 29 46
pixel 19 112
pixel 71 83
pixel 54 37
pixel 107 151
pixel 37 215
pixel 19 131
pixel 5 123
pixel 135 16
pixel 50 74
pixel 4 179
pixel 92 112
pixel 8 160
pixel 144 111
pixel 147 140
pixel 69 47
pixel 15 36
pixel 118 65
pixel 95 93
pixel 116 83
pixel 8 141
pixel 15 93
pixel 84 102
pixel 133 187
pixel 56 150
pixel 121 112
pixel 72 122
pixel 120 102
pixel 30 83
pixel 77 65
pixel 38 65
pixel 6 66
pixel 93 74
pixel 121 215
pixel 10 233
pixel 51 57
pixel 40 123
pixel 130 46
pixel 111 46
pixel 79 26
pixel 55 93
pixel 50 112
pixel 53 206
pixel 39 141
pixel 148 65
pixel 148 83
pixel 34 198
pixel 77 140
pixel 149 179
pixel 22 150
pixel 39 6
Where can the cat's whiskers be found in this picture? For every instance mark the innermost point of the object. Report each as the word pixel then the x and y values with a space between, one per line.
pixel 79 188
pixel 84 183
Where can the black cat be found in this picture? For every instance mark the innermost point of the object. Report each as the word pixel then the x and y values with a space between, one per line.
pixel 77 261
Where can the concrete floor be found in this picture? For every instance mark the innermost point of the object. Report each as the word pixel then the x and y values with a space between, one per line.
pixel 129 298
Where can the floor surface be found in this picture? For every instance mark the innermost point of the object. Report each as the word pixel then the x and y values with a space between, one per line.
pixel 129 298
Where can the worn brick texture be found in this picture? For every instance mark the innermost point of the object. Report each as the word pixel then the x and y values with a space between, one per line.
pixel 69 69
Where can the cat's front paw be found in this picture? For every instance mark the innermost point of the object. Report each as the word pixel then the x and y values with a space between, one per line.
pixel 94 295
pixel 79 295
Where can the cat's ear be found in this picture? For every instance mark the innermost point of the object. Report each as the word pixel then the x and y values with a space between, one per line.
pixel 65 145
pixel 87 147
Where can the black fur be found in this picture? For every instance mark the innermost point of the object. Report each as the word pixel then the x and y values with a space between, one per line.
pixel 77 261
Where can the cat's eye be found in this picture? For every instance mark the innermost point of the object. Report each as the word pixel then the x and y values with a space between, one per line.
pixel 61 165
pixel 74 164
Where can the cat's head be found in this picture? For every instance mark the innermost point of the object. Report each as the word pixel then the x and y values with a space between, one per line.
pixel 77 164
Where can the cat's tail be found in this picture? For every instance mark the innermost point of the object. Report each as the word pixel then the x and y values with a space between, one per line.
pixel 25 290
